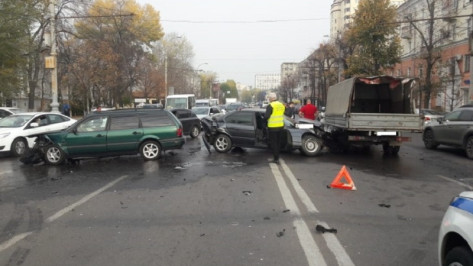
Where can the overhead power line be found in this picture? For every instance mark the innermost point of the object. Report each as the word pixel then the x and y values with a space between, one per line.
pixel 240 21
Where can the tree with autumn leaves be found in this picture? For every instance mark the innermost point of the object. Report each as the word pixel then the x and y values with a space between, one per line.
pixel 112 53
pixel 373 37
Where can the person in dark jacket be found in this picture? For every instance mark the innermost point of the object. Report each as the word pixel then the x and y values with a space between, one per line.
pixel 275 117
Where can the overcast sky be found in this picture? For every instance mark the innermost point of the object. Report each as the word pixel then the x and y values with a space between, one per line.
pixel 241 38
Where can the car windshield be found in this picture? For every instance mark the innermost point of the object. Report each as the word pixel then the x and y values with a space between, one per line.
pixel 200 110
pixel 176 103
pixel 431 112
pixel 15 120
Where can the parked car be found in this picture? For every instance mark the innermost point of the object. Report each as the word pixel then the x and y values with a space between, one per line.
pixel 247 128
pixel 234 107
pixel 205 111
pixel 430 116
pixel 15 128
pixel 112 133
pixel 455 244
pixel 190 121
pixel 454 129
pixel 7 111
pixel 152 106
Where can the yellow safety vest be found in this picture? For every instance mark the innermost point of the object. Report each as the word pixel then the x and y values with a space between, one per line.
pixel 277 117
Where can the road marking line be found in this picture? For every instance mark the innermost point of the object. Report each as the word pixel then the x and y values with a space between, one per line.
pixel 299 190
pixel 12 241
pixel 336 247
pixel 332 241
pixel 456 182
pixel 312 252
pixel 83 200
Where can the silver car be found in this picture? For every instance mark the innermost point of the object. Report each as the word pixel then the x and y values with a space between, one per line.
pixel 454 129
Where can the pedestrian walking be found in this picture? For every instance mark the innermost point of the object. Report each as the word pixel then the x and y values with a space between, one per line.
pixel 308 111
pixel 66 109
pixel 275 117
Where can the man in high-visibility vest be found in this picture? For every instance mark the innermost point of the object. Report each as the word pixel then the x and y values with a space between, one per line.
pixel 275 117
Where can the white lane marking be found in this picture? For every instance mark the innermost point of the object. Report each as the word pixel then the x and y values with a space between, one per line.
pixel 12 241
pixel 299 190
pixel 456 182
pixel 312 252
pixel 332 241
pixel 336 247
pixel 83 200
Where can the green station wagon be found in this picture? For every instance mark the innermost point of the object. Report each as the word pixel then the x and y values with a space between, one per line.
pixel 111 133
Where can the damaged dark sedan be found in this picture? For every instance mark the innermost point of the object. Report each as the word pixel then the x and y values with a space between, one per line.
pixel 247 129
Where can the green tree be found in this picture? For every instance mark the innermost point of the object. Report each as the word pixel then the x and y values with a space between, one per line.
pixel 373 33
pixel 228 89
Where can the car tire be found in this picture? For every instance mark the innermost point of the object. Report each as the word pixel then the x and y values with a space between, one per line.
pixel 429 139
pixel 311 146
pixel 459 256
pixel 222 143
pixel 150 150
pixel 195 131
pixel 54 155
pixel 19 147
pixel 469 147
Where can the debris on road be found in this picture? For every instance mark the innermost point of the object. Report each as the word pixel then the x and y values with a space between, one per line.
pixel 247 192
pixel 321 229
pixel 384 205
pixel 280 234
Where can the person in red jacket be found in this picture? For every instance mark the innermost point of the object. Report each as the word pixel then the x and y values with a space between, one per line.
pixel 308 111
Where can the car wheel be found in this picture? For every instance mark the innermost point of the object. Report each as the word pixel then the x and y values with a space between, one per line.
pixel 459 256
pixel 54 155
pixel 195 131
pixel 223 143
pixel 19 147
pixel 150 150
pixel 429 139
pixel 311 146
pixel 469 147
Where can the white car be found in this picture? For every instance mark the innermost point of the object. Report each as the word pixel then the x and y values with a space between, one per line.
pixel 15 128
pixel 202 112
pixel 7 111
pixel 456 232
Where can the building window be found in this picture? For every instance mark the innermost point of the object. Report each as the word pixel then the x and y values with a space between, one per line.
pixel 408 71
pixel 399 72
pixel 421 71
pixel 466 61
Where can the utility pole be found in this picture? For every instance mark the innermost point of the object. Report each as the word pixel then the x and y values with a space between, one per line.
pixel 54 93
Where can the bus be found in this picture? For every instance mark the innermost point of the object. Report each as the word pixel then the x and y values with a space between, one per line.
pixel 180 101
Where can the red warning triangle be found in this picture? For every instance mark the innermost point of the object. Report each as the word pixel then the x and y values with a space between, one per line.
pixel 343 174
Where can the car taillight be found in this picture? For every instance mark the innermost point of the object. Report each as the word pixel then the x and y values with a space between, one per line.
pixel 179 132
pixel 427 118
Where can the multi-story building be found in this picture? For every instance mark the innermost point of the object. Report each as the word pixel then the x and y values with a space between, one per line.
pixel 341 15
pixel 451 71
pixel 267 81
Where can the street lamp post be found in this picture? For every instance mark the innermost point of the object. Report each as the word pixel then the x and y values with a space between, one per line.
pixel 54 89
pixel 200 78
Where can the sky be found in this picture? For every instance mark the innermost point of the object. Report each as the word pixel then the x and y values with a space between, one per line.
pixel 238 39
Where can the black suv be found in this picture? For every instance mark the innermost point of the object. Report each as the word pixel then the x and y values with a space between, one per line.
pixel 111 133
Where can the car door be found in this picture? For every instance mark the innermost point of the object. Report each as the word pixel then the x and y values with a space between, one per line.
pixel 241 127
pixel 184 116
pixel 458 129
pixel 444 131
pixel 124 134
pixel 88 138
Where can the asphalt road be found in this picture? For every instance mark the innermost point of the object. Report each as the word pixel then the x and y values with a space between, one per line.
pixel 196 208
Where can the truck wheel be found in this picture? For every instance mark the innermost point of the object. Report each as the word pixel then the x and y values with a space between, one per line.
pixel 429 139
pixel 54 155
pixel 311 146
pixel 459 256
pixel 469 147
pixel 223 143
pixel 195 131
pixel 388 149
pixel 150 150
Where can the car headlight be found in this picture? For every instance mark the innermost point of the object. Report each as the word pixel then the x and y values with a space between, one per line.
pixel 4 135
